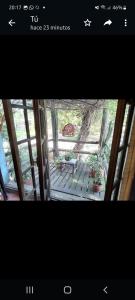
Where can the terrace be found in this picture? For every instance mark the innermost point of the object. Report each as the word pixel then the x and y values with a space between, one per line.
pixel 64 149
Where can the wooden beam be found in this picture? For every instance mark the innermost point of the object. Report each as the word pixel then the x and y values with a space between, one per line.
pixel 115 148
pixel 125 143
pixel 54 116
pixel 40 161
pixel 26 140
pixel 29 138
pixel 79 142
pixel 64 109
pixel 128 175
pixel 45 151
pixel 21 106
pixel 77 151
pixel 13 144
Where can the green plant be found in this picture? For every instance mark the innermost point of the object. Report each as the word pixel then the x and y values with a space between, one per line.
pixel 27 176
pixel 98 178
pixel 57 161
pixel 70 155
pixel 95 162
pixel 92 159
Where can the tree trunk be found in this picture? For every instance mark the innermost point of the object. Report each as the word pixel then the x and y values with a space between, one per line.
pixel 104 126
pixel 85 129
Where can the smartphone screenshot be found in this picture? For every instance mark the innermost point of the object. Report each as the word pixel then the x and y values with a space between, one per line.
pixel 67 149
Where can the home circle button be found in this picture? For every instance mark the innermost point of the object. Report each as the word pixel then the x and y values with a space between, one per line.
pixel 67 290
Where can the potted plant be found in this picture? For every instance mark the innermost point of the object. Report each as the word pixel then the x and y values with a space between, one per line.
pixel 93 161
pixel 58 162
pixel 67 157
pixel 97 183
pixel 70 155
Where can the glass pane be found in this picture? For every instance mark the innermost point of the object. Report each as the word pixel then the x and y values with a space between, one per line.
pixel 27 179
pixel 50 156
pixel 29 103
pixel 6 161
pixel 19 122
pixel 49 124
pixel 10 166
pixel 50 145
pixel 31 122
pixel 24 156
pixel 124 125
pixel 37 178
pixel 95 129
pixel 34 149
pixel 18 102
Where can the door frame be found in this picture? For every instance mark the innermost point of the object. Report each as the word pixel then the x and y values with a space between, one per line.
pixel 112 185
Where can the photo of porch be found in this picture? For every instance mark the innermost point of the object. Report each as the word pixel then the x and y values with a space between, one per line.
pixel 66 150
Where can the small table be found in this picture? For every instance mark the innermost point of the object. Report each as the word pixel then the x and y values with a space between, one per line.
pixel 71 163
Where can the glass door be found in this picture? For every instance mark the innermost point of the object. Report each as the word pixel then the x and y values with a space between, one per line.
pixel 123 124
pixel 26 126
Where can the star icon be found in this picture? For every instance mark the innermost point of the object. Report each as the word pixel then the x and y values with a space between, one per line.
pixel 87 22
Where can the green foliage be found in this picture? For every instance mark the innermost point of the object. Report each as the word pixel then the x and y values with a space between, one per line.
pixel 70 155
pixel 106 146
pixel 27 176
pixel 112 107
pixel 58 159
pixel 95 162
pixel 99 178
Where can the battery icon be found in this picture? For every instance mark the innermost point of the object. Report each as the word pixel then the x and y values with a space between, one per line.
pixel 25 7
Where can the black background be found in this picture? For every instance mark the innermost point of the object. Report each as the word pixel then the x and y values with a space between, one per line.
pixel 60 240
pixel 67 241
pixel 70 67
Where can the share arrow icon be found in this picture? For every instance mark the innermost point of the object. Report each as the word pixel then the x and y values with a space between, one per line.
pixel 109 22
